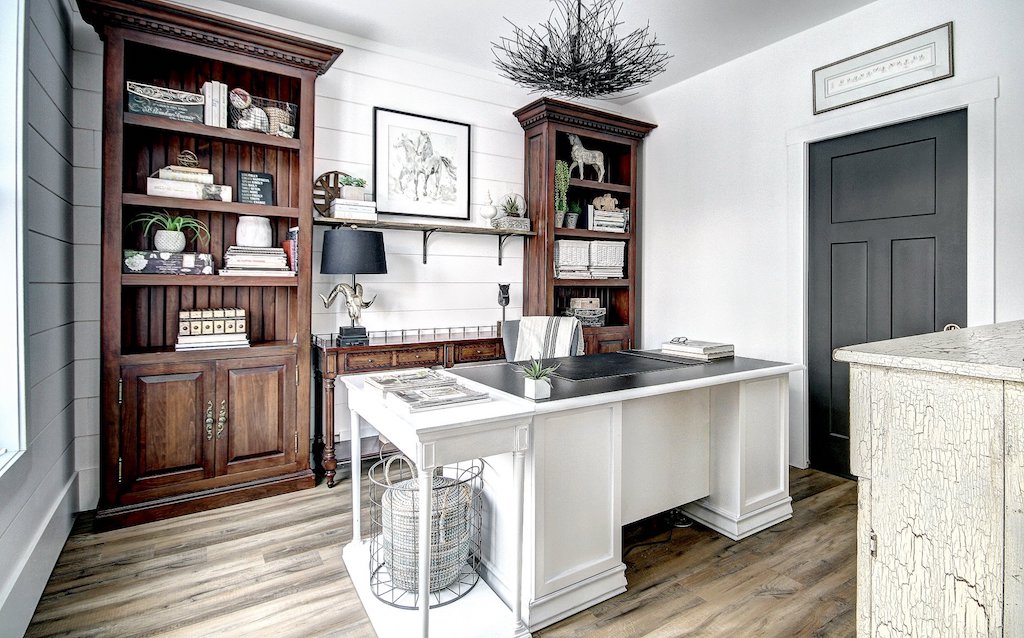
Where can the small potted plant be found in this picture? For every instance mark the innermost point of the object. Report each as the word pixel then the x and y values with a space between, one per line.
pixel 170 234
pixel 561 189
pixel 537 379
pixel 573 215
pixel 511 206
pixel 352 187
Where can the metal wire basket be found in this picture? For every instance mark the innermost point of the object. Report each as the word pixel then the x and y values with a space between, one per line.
pixel 455 525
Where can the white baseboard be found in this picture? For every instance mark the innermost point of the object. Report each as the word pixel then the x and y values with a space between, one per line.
pixel 575 598
pixel 740 527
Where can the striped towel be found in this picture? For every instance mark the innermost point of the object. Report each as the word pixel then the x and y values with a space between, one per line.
pixel 546 337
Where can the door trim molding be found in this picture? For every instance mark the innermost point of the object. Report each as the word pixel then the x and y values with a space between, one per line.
pixel 979 98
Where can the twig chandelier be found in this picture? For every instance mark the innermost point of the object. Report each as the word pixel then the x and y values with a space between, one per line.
pixel 577 53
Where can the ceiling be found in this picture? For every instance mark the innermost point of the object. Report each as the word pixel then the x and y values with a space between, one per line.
pixel 700 34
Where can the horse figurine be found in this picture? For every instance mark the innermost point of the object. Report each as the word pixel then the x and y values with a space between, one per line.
pixel 353 299
pixel 581 156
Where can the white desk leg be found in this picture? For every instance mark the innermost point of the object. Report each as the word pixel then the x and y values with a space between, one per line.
pixel 356 474
pixel 426 483
pixel 518 477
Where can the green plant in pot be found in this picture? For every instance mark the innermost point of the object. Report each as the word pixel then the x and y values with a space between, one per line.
pixel 352 187
pixel 573 215
pixel 561 189
pixel 510 206
pixel 537 378
pixel 170 234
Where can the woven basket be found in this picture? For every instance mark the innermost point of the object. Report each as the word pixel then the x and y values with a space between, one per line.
pixel 450 502
pixel 572 252
pixel 607 253
pixel 589 317
pixel 251 113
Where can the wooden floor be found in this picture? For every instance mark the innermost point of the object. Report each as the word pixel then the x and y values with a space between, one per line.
pixel 273 568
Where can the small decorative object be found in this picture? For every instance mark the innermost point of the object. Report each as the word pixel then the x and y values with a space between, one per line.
pixel 255 188
pixel 170 234
pixel 503 299
pixel 253 232
pixel 245 116
pixel 561 187
pixel 182 106
pixel 420 165
pixel 148 262
pixel 353 187
pixel 606 202
pixel 911 61
pixel 353 300
pixel 581 156
pixel 489 211
pixel 559 218
pixel 573 216
pixel 581 51
pixel 510 206
pixel 537 379
pixel 188 159
pixel 352 252
pixel 326 189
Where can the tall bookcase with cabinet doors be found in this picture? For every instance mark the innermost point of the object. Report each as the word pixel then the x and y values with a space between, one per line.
pixel 547 124
pixel 183 431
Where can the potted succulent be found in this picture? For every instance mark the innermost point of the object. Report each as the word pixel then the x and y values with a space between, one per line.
pixel 537 379
pixel 511 206
pixel 170 234
pixel 573 215
pixel 561 189
pixel 352 187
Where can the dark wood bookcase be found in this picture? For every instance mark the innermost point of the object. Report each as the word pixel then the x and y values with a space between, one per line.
pixel 547 124
pixel 185 431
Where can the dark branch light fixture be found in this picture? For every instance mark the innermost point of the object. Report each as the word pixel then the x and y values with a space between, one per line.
pixel 577 53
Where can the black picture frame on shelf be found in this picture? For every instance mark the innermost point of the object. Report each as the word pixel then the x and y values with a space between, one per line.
pixel 421 165
pixel 255 188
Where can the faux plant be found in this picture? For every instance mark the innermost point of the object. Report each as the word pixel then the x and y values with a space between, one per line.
pixel 348 180
pixel 510 206
pixel 535 370
pixel 561 184
pixel 575 207
pixel 163 220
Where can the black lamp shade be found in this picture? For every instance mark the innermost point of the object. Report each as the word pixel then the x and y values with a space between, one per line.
pixel 353 252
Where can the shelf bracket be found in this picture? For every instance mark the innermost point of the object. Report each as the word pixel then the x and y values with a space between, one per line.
pixel 427 232
pixel 501 244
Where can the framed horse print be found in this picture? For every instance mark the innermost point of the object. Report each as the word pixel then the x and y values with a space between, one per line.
pixel 420 165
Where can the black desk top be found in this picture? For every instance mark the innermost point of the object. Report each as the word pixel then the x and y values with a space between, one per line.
pixel 626 373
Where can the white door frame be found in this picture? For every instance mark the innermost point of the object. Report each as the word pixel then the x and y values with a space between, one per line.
pixel 979 97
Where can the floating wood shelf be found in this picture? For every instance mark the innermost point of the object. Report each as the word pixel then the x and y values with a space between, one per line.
pixel 208 205
pixel 429 229
pixel 605 186
pixel 129 279
pixel 212 132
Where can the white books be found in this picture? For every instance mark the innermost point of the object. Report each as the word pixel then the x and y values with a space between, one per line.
pixel 418 378
pixel 182 176
pixel 187 190
pixel 207 103
pixel 252 272
pixel 436 398
pixel 698 357
pixel 692 346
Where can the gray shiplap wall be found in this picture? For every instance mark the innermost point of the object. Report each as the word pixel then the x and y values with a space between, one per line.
pixel 39 492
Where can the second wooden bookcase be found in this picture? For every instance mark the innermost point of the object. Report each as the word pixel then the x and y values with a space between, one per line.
pixel 547 124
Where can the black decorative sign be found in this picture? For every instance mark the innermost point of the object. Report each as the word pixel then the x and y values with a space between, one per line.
pixel 255 188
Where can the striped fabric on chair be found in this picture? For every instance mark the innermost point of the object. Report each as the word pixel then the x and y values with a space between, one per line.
pixel 547 337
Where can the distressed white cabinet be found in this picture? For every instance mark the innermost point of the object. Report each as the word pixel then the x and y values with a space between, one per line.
pixel 937 429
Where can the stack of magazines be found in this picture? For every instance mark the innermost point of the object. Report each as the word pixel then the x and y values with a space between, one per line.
pixel 700 350
pixel 262 262
pixel 420 389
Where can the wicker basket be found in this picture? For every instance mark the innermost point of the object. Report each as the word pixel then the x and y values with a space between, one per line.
pixel 589 317
pixel 572 252
pixel 607 253
pixel 450 502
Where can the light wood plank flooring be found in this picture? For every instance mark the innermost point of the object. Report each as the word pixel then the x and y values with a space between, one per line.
pixel 273 568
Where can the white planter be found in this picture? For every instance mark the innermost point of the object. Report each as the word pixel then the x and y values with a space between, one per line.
pixel 169 241
pixel 253 232
pixel 537 388
pixel 353 192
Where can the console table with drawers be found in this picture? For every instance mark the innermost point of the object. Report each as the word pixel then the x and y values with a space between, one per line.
pixel 406 349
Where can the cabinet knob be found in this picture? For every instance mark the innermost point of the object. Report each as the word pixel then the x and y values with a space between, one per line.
pixel 222 419
pixel 209 420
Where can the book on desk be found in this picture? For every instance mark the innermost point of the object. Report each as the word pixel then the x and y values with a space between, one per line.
pixel 421 389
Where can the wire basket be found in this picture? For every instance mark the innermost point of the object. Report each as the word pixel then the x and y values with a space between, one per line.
pixel 455 525
pixel 260 114
pixel 607 253
pixel 572 252
pixel 589 317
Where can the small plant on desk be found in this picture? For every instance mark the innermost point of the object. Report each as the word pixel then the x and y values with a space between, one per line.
pixel 537 379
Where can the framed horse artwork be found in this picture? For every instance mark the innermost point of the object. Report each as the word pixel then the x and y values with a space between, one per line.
pixel 420 165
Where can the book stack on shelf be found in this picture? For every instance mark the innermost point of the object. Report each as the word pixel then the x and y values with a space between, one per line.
pixel 211 328
pixel 215 112
pixel 607 259
pixel 186 182
pixel 420 390
pixel 354 210
pixel 291 248
pixel 609 221
pixel 248 261
pixel 699 350
pixel 572 259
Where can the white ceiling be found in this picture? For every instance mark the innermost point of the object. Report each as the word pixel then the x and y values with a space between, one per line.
pixel 700 34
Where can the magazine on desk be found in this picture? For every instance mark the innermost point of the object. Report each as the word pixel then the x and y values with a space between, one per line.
pixel 435 398
pixel 382 384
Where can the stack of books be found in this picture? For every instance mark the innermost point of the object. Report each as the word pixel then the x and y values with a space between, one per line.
pixel 420 390
pixel 247 261
pixel 187 183
pixel 355 210
pixel 607 259
pixel 700 350
pixel 609 221
pixel 572 259
pixel 215 111
pixel 211 328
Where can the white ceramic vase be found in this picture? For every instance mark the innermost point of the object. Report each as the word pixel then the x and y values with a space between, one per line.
pixel 253 232
pixel 537 388
pixel 169 241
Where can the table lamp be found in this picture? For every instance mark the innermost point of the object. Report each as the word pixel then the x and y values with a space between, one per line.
pixel 352 252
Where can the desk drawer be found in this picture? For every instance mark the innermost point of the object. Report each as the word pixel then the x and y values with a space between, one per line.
pixel 433 356
pixel 357 361
pixel 477 351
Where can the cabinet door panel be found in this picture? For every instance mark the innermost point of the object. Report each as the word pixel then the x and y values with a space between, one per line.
pixel 163 435
pixel 258 400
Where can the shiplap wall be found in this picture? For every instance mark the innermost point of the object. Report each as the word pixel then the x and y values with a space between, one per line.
pixel 39 492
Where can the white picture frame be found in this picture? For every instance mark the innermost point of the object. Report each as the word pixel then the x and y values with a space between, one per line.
pixel 421 165
pixel 911 61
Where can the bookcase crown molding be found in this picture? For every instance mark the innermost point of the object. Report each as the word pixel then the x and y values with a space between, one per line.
pixel 183 23
pixel 548 109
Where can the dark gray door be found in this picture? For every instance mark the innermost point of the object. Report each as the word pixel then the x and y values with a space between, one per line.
pixel 887 254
